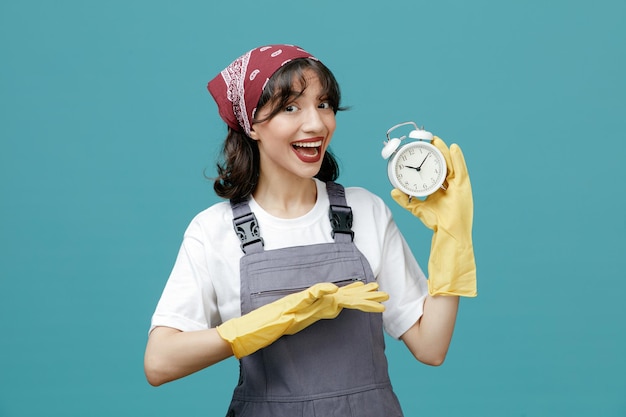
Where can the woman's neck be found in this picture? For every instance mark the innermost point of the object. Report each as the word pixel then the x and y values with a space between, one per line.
pixel 286 199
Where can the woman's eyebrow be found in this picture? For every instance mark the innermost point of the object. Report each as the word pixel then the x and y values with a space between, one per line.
pixel 296 93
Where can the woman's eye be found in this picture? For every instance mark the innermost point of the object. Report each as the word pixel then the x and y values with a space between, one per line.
pixel 291 108
pixel 325 105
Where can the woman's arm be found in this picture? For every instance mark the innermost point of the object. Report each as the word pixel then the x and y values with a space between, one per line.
pixel 451 264
pixel 172 354
pixel 429 338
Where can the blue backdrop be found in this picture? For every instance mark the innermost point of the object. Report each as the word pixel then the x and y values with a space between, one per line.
pixel 106 129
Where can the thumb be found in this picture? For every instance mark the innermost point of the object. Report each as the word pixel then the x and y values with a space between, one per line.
pixel 422 209
pixel 321 289
pixel 414 205
pixel 300 300
pixel 400 198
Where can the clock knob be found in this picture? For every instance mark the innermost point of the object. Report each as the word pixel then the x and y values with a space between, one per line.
pixel 421 134
pixel 390 147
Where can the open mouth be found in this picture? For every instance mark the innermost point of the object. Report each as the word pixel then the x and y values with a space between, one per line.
pixel 308 151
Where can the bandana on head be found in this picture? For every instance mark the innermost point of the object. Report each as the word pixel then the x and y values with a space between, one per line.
pixel 237 89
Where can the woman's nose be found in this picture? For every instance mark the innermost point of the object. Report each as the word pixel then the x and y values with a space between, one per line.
pixel 313 121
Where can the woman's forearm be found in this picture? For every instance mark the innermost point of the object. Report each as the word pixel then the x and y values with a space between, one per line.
pixel 172 354
pixel 429 338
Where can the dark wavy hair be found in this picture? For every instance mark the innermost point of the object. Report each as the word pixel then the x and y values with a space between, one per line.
pixel 238 169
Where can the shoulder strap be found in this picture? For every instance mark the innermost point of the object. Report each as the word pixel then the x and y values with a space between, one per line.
pixel 246 226
pixel 340 213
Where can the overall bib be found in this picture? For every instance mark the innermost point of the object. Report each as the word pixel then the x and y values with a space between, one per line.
pixel 332 368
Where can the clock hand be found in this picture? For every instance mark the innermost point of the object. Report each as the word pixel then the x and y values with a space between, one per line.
pixel 420 167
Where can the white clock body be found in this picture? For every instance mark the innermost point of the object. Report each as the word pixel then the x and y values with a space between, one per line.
pixel 417 168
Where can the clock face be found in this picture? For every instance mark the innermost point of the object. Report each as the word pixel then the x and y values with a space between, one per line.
pixel 418 169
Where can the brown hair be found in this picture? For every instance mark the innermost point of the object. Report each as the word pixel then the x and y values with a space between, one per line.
pixel 238 170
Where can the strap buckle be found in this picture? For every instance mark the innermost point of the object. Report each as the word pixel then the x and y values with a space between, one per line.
pixel 341 220
pixel 247 228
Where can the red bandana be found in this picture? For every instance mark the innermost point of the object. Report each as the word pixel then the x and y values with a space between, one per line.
pixel 237 89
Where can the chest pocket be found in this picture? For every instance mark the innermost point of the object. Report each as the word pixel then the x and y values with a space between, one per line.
pixel 286 271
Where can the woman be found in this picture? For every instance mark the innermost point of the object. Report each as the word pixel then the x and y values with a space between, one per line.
pixel 290 274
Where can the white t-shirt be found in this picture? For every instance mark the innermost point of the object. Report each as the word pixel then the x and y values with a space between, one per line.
pixel 203 288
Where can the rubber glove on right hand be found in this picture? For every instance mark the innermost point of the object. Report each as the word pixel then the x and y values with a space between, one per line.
pixel 357 296
pixel 288 315
pixel 449 213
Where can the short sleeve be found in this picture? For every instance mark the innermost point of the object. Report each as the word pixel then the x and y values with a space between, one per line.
pixel 188 301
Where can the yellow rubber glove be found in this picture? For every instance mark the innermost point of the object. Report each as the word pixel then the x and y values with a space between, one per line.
pixel 357 296
pixel 290 314
pixel 449 213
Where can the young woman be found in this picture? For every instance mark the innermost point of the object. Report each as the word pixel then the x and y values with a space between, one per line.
pixel 293 272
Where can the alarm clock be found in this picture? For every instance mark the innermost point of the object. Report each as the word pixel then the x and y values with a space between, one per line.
pixel 416 167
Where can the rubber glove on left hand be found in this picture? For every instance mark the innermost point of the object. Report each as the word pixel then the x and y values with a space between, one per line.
pixel 449 213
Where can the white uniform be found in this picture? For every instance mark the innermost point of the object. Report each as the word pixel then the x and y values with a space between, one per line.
pixel 203 288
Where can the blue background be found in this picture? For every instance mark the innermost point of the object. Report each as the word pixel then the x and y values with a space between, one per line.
pixel 106 130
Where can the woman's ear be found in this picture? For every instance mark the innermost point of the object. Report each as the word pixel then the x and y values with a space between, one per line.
pixel 253 135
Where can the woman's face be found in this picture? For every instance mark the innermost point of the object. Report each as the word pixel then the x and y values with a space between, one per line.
pixel 293 142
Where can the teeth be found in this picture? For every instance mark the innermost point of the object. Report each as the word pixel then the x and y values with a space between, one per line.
pixel 308 144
